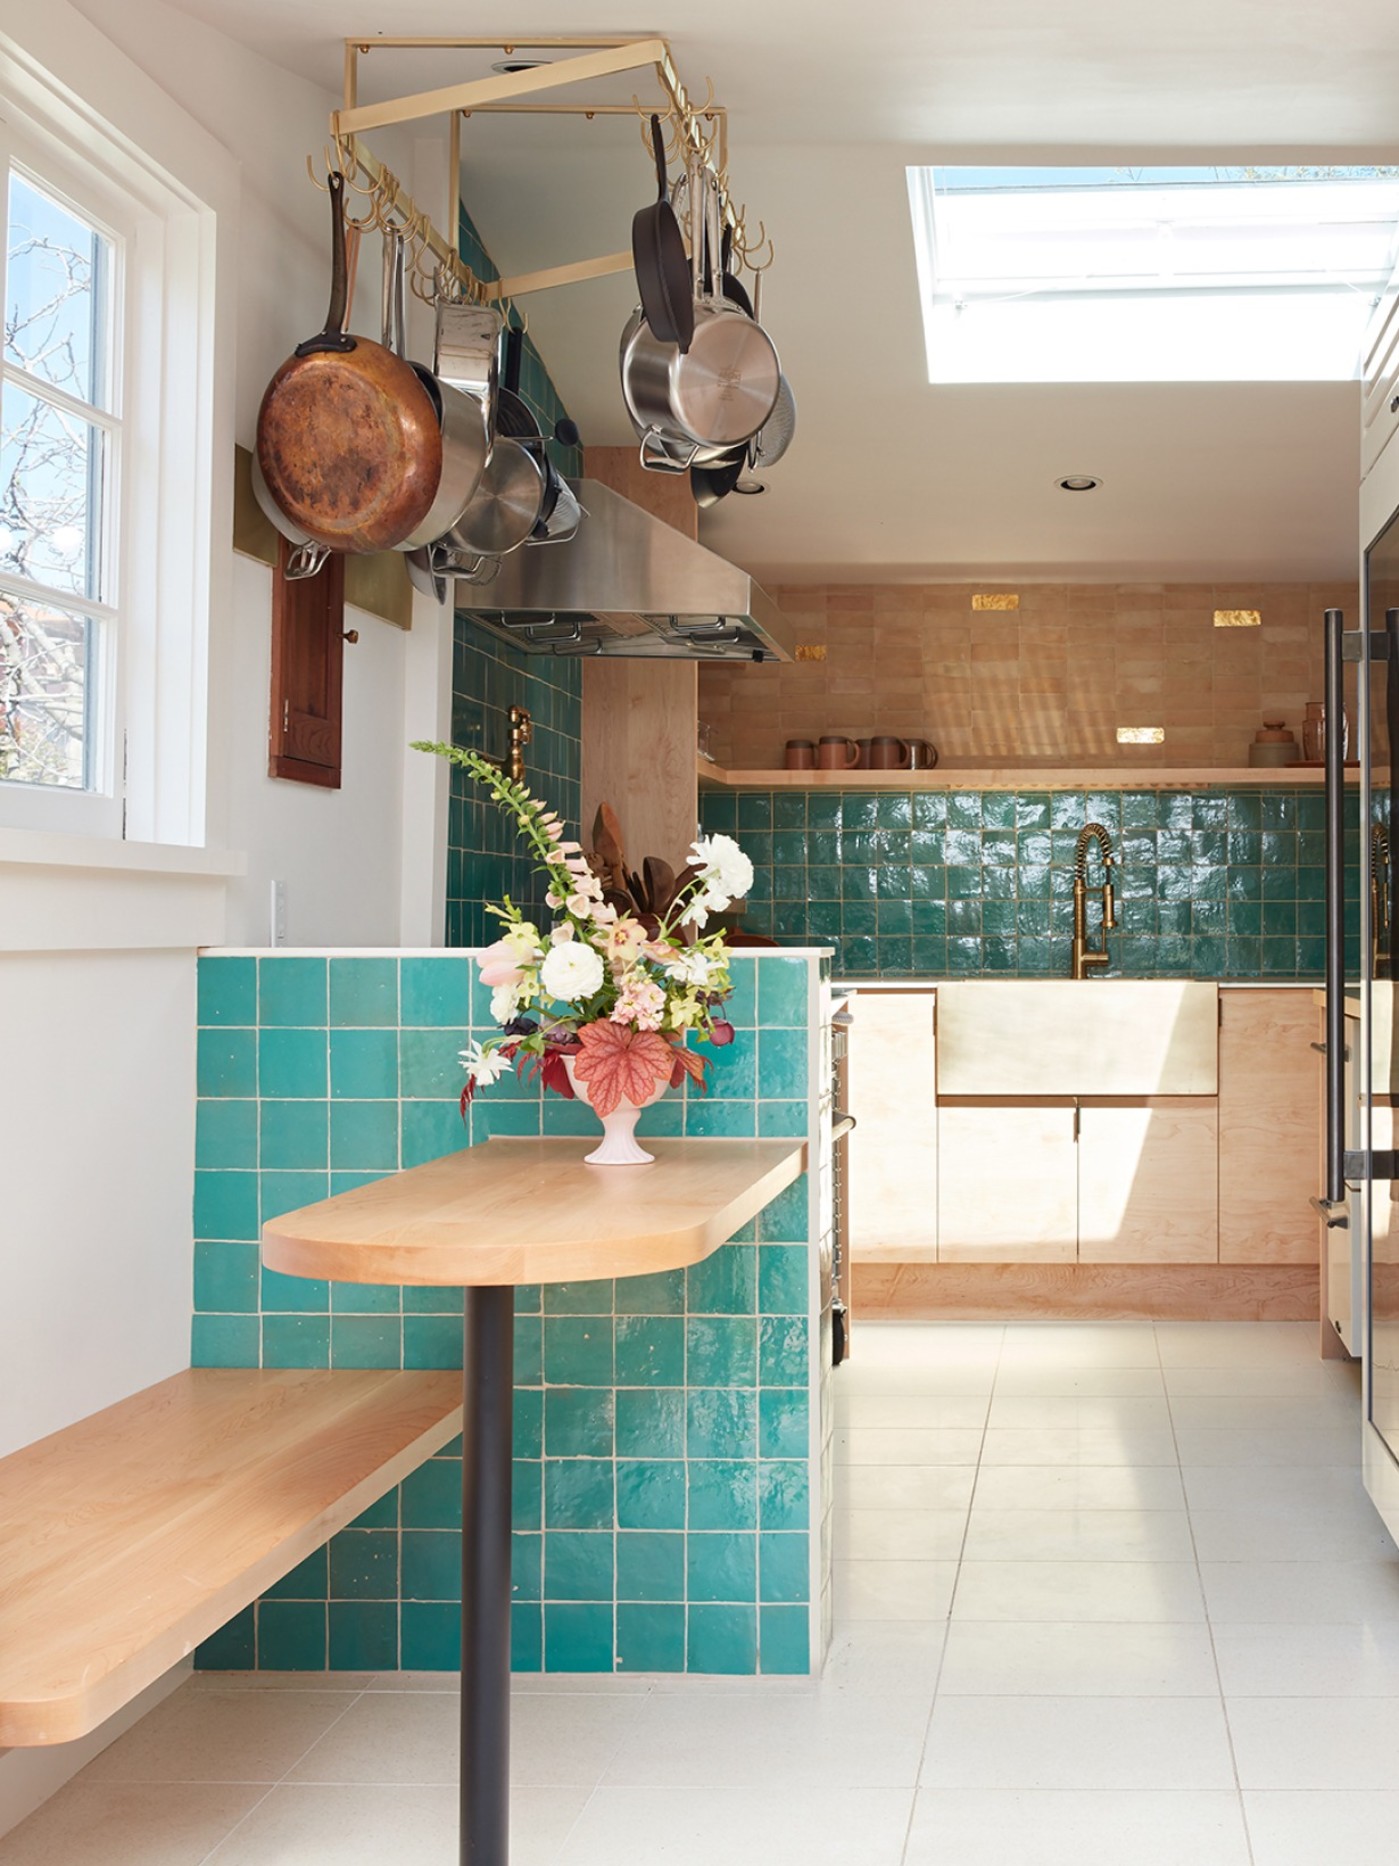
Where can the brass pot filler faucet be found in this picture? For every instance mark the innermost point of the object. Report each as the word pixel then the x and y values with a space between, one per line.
pixel 1087 958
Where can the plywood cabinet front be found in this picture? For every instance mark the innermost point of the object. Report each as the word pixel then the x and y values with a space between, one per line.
pixel 893 1150
pixel 1007 1183
pixel 1269 1113
pixel 1147 1184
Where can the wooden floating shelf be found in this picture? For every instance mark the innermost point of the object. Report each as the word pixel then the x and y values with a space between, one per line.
pixel 1003 777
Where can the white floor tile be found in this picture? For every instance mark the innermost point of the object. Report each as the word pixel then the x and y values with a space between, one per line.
pixel 1102 1411
pixel 1085 1743
pixel 885 1535
pixel 904 1486
pixel 1343 1533
pixel 907 1445
pixel 353 1826
pixel 754 1740
pixel 1354 1829
pixel 1272 1486
pixel 1079 1535
pixel 1205 1445
pixel 1273 1661
pixel 1079 1487
pixel 107 1823
pixel 880 1655
pixel 1061 1828
pixel 221 1736
pixel 1311 1743
pixel 1072 1344
pixel 961 1379
pixel 1067 1444
pixel 893 1590
pixel 1053 1381
pixel 741 1826
pixel 1281 1380
pixel 928 1344
pixel 1358 1592
pixel 1145 1592
pixel 1268 1413
pixel 1084 1658
pixel 916 1409
pixel 1236 1344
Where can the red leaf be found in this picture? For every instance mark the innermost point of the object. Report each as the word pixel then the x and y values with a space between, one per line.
pixel 554 1075
pixel 687 1063
pixel 620 1064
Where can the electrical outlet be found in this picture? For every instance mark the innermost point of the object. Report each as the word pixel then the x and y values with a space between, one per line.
pixel 279 913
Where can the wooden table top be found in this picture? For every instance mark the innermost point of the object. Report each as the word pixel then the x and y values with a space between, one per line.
pixel 531 1211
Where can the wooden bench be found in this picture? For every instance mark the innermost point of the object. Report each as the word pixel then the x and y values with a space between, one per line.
pixel 128 1538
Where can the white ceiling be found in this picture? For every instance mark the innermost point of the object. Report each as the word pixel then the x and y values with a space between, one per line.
pixel 891 479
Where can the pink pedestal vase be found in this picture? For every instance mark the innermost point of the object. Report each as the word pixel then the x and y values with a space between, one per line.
pixel 619 1145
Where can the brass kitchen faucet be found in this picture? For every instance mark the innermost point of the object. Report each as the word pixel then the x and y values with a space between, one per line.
pixel 1086 957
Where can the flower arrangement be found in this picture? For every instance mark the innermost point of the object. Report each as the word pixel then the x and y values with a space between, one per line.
pixel 605 1000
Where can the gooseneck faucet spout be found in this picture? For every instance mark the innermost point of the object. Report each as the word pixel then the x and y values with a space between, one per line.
pixel 1086 957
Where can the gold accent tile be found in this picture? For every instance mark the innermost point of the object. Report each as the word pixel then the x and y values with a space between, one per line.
pixel 1008 601
pixel 811 651
pixel 1141 735
pixel 1238 618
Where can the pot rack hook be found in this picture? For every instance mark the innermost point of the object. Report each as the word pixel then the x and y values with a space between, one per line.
pixel 348 173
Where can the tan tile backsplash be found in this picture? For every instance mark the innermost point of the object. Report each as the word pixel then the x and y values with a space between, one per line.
pixel 1048 683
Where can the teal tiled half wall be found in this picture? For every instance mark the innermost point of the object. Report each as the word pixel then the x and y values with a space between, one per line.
pixel 664 1439
pixel 1211 884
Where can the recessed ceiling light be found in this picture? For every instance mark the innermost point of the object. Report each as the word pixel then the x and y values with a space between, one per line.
pixel 506 65
pixel 1078 482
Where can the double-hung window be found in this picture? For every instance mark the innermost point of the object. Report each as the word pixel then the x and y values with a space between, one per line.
pixel 61 475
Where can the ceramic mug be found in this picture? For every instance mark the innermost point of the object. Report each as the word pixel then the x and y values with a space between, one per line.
pixel 921 755
pixel 800 755
pixel 864 759
pixel 887 753
pixel 837 754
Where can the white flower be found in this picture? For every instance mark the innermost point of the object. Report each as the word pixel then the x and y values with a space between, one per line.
pixel 482 1065
pixel 523 940
pixel 505 1001
pixel 691 968
pixel 571 971
pixel 726 875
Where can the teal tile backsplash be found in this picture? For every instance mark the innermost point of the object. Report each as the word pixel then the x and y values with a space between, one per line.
pixel 1210 884
pixel 663 1433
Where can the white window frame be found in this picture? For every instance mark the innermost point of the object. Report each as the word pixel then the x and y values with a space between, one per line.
pixel 173 408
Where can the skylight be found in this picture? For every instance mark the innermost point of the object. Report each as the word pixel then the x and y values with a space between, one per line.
pixel 1151 274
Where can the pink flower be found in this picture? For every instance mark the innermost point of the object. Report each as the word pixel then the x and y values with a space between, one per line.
pixel 500 964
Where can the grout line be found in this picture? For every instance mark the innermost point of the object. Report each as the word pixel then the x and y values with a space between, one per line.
pixel 1204 1602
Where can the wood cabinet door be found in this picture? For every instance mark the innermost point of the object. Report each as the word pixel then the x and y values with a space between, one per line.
pixel 1007 1189
pixel 1269 1117
pixel 893 1150
pixel 1148 1181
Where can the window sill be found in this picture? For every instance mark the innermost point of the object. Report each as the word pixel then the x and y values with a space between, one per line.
pixel 31 848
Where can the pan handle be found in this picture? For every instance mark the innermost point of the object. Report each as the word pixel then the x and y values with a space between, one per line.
pixel 658 148
pixel 660 461
pixel 334 336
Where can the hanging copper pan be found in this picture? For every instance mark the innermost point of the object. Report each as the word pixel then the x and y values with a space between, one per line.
pixel 347 437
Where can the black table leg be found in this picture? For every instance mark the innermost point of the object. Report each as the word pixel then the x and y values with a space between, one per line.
pixel 488 1404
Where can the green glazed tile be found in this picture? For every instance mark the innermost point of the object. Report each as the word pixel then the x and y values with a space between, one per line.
pixel 363 1635
pixel 721 1351
pixel 227 991
pixel 363 1565
pixel 650 1638
pixel 429 1129
pixel 364 1064
pixel 651 1567
pixel 783 1568
pixel 783 986
pixel 784 1350
pixel 291 991
pixel 722 1640
pixel 233 1648
pixel 291 1636
pixel 430 1632
pixel 784 1490
pixel 365 1341
pixel 721 1422
pixel 650 1350
pixel 579 1421
pixel 784 1641
pixel 432 1495
pixel 432 1341
pixel 430 1564
pixel 660 1294
pixel 435 992
pixel 578 1493
pixel 577 1638
pixel 296 1341
pixel 722 1493
pixel 225 1277
pixel 292 1135
pixel 292 1063
pixel 225 1341
pixel 578 1565
pixel 226 1205
pixel 721 1566
pixel 364 1135
pixel 226 1062
pixel 363 991
pixel 650 1423
pixel 650 1493
pixel 226 1134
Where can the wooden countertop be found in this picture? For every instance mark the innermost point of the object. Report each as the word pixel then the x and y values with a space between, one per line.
pixel 531 1211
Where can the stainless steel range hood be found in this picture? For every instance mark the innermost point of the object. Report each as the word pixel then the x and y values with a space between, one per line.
pixel 628 584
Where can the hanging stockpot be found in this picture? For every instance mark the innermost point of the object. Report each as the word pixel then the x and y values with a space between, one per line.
pixel 510 499
pixel 697 404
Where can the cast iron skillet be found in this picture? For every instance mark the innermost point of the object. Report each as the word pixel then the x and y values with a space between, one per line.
pixel 658 254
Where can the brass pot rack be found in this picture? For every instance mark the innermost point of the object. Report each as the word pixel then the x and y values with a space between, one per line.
pixel 699 132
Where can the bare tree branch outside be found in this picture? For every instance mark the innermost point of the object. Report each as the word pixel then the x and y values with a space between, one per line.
pixel 51 488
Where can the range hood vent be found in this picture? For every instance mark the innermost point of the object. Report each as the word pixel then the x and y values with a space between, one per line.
pixel 628 584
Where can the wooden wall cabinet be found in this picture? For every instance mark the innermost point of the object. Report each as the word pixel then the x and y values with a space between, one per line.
pixel 308 668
